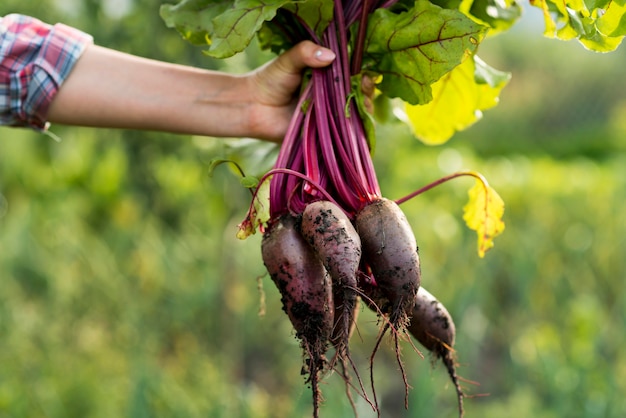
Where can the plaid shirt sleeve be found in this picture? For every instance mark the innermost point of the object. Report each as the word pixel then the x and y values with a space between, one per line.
pixel 35 59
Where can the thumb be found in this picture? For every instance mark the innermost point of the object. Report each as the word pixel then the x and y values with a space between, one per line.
pixel 304 54
pixel 276 81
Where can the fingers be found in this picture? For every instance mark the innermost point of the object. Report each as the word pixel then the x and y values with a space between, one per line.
pixel 305 54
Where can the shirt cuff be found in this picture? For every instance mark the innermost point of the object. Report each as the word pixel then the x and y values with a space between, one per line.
pixel 40 58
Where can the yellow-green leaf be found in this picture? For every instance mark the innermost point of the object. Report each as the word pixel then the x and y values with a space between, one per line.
pixel 459 98
pixel 613 21
pixel 259 213
pixel 598 25
pixel 483 214
pixel 550 30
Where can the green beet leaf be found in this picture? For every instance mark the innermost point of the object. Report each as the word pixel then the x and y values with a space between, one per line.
pixel 193 19
pixel 226 26
pixel 500 15
pixel 235 28
pixel 613 21
pixel 599 25
pixel 280 33
pixel 316 14
pixel 413 49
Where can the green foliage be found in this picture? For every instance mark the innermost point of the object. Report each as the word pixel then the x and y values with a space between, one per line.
pixel 316 14
pixel 599 26
pixel 193 19
pixel 415 48
pixel 499 15
pixel 228 27
pixel 412 45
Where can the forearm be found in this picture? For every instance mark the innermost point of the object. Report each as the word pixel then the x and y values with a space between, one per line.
pixel 107 88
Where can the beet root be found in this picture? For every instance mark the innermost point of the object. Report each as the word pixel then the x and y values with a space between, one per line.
pixel 432 325
pixel 334 239
pixel 390 251
pixel 306 294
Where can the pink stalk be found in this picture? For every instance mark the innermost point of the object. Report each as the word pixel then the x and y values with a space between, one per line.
pixel 442 180
pixel 326 141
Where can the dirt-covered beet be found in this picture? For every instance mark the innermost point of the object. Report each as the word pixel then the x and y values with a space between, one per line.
pixel 332 236
pixel 432 325
pixel 306 293
pixel 390 251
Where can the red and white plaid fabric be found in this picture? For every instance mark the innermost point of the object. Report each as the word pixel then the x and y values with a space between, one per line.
pixel 35 59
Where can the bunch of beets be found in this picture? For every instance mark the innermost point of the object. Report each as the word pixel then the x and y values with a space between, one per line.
pixel 332 240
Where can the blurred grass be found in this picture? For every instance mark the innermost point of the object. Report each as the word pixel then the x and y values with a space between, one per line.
pixel 125 294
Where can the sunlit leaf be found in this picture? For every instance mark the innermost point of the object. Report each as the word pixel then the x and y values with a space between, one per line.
pixel 487 75
pixel 550 25
pixel 500 15
pixel 259 213
pixel 598 25
pixel 613 21
pixel 459 99
pixel 415 48
pixel 483 214
pixel 601 43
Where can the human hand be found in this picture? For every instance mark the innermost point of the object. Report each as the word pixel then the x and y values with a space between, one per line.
pixel 274 86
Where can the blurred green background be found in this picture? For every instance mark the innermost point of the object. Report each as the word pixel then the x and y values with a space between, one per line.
pixel 124 293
